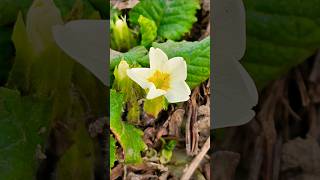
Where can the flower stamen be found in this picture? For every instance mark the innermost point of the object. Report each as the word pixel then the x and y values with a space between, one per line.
pixel 160 79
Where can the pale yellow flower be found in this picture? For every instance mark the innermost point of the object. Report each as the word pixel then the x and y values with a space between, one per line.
pixel 165 77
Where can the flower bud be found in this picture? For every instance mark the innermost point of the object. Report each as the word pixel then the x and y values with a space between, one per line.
pixel 41 17
pixel 131 90
pixel 121 71
pixel 122 38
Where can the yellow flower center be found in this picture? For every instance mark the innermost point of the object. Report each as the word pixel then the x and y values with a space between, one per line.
pixel 160 79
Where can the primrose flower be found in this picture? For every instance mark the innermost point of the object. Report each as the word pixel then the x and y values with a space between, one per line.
pixel 165 77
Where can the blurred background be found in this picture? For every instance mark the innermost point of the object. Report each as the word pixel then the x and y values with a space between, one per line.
pixel 282 56
pixel 51 108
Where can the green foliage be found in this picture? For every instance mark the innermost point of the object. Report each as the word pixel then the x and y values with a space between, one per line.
pixel 112 151
pixel 173 18
pixel 9 8
pixel 132 91
pixel 78 161
pixel 129 137
pixel 148 30
pixel 43 76
pixel 6 53
pixel 136 56
pixel 21 119
pixel 77 8
pixel 114 12
pixel 196 54
pixel 280 35
pixel 102 6
pixel 32 72
pixel 166 151
pixel 154 106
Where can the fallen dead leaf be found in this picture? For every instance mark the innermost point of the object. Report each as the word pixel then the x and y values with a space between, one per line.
pixel 124 4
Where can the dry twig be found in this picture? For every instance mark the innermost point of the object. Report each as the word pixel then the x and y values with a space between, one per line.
pixel 196 161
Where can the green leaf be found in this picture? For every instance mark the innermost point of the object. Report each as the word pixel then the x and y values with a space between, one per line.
pixel 196 54
pixel 9 10
pixel 19 75
pixel 137 55
pixel 102 6
pixel 173 18
pixel 129 137
pixel 6 53
pixel 46 72
pixel 280 35
pixel 21 119
pixel 33 70
pixel 166 151
pixel 75 9
pixel 148 30
pixel 153 107
pixel 114 13
pixel 113 148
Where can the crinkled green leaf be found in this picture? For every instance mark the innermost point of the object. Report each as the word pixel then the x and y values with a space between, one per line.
pixel 280 35
pixel 21 119
pixel 137 55
pixel 129 137
pixel 173 18
pixel 196 54
pixel 148 30
pixel 112 151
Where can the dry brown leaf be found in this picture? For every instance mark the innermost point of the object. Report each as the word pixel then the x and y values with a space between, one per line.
pixel 175 123
pixel 128 4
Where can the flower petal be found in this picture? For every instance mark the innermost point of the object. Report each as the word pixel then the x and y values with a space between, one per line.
pixel 86 42
pixel 234 94
pixel 179 92
pixel 157 58
pixel 154 93
pixel 230 28
pixel 140 76
pixel 177 67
